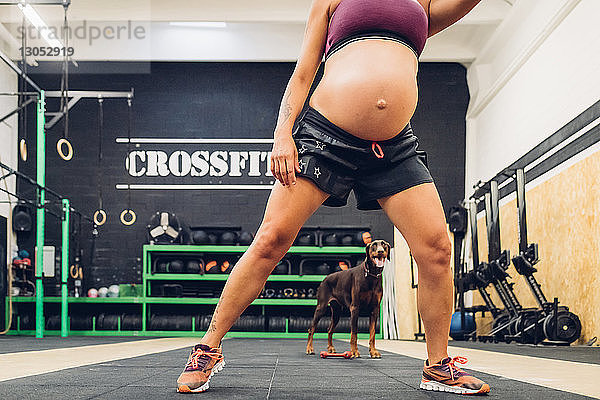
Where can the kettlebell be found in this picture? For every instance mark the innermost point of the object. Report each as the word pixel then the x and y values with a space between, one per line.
pixel 330 240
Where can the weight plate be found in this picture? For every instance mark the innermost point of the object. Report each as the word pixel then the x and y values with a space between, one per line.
pixel 569 327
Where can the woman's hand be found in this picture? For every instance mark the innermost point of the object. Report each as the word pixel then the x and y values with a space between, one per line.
pixel 284 159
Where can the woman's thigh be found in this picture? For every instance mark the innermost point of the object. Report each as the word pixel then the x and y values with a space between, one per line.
pixel 288 208
pixel 419 216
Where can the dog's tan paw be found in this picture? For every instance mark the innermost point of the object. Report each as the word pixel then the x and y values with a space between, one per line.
pixel 330 349
pixel 355 354
pixel 375 354
pixel 310 351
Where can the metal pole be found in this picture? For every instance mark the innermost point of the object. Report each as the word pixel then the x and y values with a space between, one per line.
pixel 64 273
pixel 40 216
pixel 520 178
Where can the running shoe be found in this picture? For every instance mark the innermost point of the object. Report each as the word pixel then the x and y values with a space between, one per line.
pixel 447 377
pixel 202 364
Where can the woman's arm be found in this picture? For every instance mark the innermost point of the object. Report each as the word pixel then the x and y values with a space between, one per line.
pixel 443 13
pixel 284 157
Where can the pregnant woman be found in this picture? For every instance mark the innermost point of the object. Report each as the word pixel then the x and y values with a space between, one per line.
pixel 355 135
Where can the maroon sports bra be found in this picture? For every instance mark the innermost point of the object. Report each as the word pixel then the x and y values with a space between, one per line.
pixel 403 21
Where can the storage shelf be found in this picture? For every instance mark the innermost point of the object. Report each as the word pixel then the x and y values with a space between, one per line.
pixel 257 302
pixel 288 335
pixel 164 248
pixel 167 300
pixel 102 300
pixel 223 277
pixel 147 304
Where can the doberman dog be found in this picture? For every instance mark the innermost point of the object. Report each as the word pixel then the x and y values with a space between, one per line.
pixel 358 288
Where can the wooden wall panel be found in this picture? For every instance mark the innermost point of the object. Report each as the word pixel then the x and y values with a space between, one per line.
pixel 563 217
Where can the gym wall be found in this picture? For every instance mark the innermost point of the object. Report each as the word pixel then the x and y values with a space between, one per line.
pixel 8 130
pixel 547 65
pixel 216 100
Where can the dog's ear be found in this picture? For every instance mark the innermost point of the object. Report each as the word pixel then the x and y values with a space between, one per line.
pixel 388 250
pixel 367 247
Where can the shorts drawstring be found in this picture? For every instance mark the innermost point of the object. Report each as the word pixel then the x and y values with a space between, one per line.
pixel 376 147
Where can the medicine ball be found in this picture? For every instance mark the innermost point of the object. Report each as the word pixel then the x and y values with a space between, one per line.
pixel 200 237
pixel 362 238
pixel 305 239
pixel 457 331
pixel 113 291
pixel 330 240
pixel 228 237
pixel 161 267
pixel 323 269
pixel 176 267
pixel 212 238
pixel 226 267
pixel 282 268
pixel 193 267
pixel 212 267
pixel 245 238
pixel 21 219
pixel 347 240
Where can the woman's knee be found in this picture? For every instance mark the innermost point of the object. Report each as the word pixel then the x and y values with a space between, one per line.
pixel 434 255
pixel 271 242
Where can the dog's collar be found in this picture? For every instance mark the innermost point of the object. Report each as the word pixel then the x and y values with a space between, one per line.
pixel 368 271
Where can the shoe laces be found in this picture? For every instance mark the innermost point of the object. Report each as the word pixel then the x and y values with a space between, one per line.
pixel 200 357
pixel 453 368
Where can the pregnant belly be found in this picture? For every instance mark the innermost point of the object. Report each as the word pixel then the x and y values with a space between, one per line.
pixel 369 89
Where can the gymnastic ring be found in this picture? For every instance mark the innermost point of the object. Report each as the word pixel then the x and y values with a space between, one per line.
pixel 124 214
pixel 59 149
pixel 100 217
pixel 23 149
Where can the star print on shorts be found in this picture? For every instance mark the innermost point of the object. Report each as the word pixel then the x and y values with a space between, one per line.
pixel 302 164
pixel 302 149
pixel 320 146
pixel 317 172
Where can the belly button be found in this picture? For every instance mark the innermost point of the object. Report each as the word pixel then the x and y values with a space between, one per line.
pixel 381 104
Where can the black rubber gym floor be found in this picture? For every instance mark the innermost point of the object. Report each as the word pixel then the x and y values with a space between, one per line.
pixel 585 354
pixel 13 344
pixel 257 369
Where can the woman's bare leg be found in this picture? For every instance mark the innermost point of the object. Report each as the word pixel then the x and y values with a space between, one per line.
pixel 287 210
pixel 418 215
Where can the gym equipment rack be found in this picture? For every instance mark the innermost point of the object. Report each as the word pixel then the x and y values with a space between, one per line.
pixel 145 303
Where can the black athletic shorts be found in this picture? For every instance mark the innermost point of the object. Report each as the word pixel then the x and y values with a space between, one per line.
pixel 338 162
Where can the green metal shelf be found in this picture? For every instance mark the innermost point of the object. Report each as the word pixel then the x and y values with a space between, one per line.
pixel 288 335
pixel 166 300
pixel 88 300
pixel 257 302
pixel 223 277
pixel 163 248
